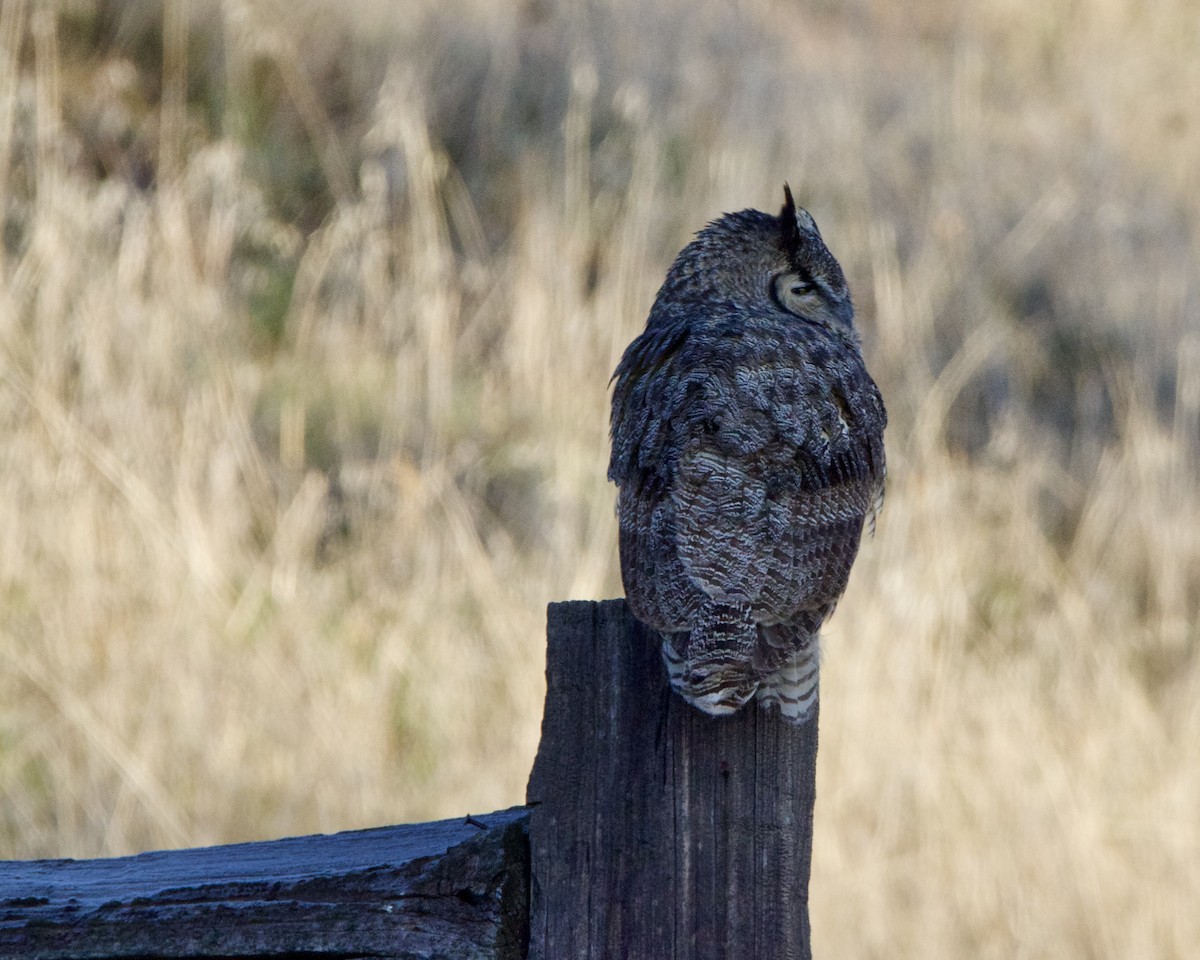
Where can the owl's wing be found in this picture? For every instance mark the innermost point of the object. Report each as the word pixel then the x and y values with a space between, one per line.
pixel 771 492
pixel 646 396
pixel 658 590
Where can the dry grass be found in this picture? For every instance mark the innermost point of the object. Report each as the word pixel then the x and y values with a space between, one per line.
pixel 305 328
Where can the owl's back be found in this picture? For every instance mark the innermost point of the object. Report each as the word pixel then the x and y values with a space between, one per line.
pixel 747 467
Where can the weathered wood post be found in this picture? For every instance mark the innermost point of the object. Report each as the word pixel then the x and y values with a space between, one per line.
pixel 656 831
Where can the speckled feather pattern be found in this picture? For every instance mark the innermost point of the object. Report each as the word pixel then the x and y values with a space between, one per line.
pixel 747 445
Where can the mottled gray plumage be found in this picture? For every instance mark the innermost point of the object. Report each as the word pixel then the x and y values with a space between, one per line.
pixel 747 443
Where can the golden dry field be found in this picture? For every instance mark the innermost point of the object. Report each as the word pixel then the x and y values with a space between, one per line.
pixel 307 314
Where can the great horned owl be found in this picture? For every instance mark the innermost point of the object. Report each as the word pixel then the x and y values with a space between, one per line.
pixel 747 445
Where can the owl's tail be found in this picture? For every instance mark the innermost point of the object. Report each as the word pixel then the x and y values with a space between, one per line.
pixel 711 665
pixel 793 686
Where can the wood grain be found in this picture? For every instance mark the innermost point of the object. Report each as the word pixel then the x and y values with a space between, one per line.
pixel 655 830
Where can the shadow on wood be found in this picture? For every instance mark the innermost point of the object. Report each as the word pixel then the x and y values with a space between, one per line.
pixel 657 831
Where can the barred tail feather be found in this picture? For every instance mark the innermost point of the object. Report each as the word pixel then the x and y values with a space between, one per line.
pixel 794 686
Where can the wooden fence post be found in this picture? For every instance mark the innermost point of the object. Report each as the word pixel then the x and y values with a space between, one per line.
pixel 656 831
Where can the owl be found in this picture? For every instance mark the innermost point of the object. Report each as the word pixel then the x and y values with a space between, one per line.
pixel 747 448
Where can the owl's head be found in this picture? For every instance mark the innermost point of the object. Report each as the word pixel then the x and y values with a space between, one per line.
pixel 755 263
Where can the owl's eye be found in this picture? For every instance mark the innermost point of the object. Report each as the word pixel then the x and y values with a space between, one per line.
pixel 795 293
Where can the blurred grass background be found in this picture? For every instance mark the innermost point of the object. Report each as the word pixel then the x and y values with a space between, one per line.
pixel 307 313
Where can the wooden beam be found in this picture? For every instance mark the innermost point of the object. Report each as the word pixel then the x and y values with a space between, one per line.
pixel 656 831
pixel 455 888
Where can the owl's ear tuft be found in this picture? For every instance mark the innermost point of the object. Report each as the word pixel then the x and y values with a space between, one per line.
pixel 793 221
pixel 789 229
